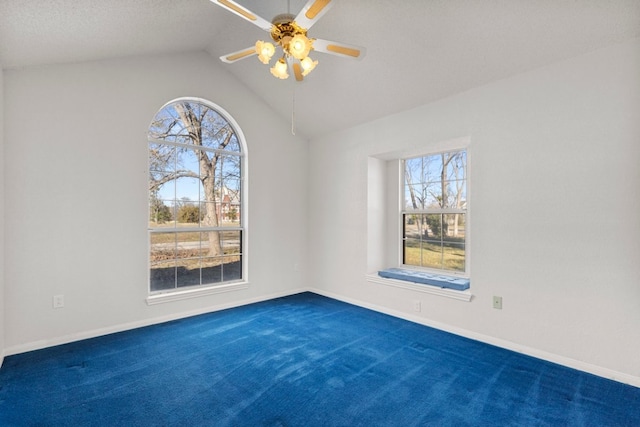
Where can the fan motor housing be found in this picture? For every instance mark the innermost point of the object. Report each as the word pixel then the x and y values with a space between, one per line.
pixel 284 28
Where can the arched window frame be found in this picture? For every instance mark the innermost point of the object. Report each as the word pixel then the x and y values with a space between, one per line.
pixel 204 287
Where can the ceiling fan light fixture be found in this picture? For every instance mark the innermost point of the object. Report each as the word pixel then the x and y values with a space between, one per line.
pixel 279 70
pixel 265 51
pixel 289 39
pixel 308 65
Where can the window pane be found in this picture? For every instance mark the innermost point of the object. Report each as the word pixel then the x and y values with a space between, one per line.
pixel 232 268
pixel 162 158
pixel 163 246
pixel 211 242
pixel 210 190
pixel 456 166
pixel 432 169
pixel 433 196
pixel 211 270
pixel 161 212
pixel 232 215
pixel 414 196
pixel 188 161
pixel 188 259
pixel 456 194
pixel 413 171
pixel 162 260
pixel 188 213
pixel 227 171
pixel 208 214
pixel 454 242
pixel 188 245
pixel 431 254
pixel 165 125
pixel 229 204
pixel 433 226
pixel 188 190
pixel 454 227
pixel 188 272
pixel 231 242
pixel 414 226
pixel 229 166
pixel 233 144
pixel 217 133
pixel 162 277
pixel 411 252
pixel 407 201
pixel 232 188
pixel 453 257
pixel 163 186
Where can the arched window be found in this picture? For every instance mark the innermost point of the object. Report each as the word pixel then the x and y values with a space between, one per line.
pixel 197 159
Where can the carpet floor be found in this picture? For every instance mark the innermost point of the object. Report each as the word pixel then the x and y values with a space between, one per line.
pixel 302 360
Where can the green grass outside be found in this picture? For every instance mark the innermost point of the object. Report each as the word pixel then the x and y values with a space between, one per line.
pixel 435 256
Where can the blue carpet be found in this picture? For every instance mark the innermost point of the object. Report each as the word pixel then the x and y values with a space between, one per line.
pixel 303 360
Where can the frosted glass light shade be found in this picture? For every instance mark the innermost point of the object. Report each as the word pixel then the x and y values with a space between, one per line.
pixel 279 70
pixel 308 65
pixel 299 46
pixel 265 51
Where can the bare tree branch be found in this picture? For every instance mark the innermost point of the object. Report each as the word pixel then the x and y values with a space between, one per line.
pixel 155 184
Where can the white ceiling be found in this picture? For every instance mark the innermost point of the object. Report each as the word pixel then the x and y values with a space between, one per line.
pixel 418 51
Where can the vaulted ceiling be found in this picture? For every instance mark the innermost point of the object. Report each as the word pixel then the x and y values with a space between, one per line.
pixel 418 51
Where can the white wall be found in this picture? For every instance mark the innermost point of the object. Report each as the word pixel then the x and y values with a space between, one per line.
pixel 555 199
pixel 76 194
pixel 2 271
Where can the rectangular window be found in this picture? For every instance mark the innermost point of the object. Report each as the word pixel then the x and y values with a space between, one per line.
pixel 434 212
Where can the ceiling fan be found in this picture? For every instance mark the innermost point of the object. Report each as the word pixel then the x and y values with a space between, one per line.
pixel 289 34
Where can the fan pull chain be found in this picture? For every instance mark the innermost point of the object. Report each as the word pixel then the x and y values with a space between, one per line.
pixel 293 113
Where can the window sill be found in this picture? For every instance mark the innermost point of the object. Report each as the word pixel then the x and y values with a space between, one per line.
pixel 195 293
pixel 428 289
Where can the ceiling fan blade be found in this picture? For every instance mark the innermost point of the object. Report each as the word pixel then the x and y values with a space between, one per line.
pixel 297 71
pixel 339 49
pixel 244 13
pixel 238 55
pixel 295 68
pixel 312 11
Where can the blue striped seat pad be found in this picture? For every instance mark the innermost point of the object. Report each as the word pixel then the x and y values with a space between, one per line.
pixel 425 278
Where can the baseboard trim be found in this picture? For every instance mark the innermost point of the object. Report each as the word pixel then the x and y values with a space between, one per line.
pixel 65 339
pixel 518 348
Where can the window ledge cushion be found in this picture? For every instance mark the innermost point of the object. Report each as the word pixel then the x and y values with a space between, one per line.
pixel 425 278
pixel 419 287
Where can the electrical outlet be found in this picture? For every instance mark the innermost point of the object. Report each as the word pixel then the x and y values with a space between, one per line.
pixel 497 302
pixel 417 306
pixel 58 301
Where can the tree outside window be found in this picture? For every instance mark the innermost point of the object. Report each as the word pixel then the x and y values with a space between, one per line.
pixel 195 188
